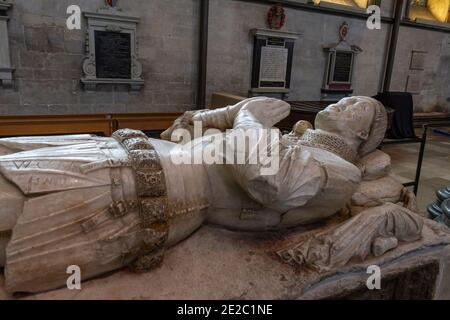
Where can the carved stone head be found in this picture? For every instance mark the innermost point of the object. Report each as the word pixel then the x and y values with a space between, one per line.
pixel 361 121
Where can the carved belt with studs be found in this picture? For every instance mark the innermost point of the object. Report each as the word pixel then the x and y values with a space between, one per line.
pixel 151 193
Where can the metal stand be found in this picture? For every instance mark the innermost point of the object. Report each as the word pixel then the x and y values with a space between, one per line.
pixel 422 142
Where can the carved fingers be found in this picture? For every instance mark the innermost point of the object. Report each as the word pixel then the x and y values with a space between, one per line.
pixel 182 122
pixel 268 111
pixel 222 118
pixel 409 200
pixel 217 118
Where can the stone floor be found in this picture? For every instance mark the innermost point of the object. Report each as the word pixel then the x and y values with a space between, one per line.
pixel 214 263
pixel 435 168
pixel 123 285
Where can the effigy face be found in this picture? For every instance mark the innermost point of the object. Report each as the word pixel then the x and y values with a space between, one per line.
pixel 347 117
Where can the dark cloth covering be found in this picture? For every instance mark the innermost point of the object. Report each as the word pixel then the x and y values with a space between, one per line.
pixel 402 122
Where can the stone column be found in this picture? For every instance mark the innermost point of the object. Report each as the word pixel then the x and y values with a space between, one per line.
pixel 6 71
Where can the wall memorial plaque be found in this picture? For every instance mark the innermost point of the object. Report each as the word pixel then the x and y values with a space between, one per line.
pixel 272 61
pixel 112 56
pixel 342 71
pixel 418 59
pixel 6 70
pixel 113 53
pixel 339 71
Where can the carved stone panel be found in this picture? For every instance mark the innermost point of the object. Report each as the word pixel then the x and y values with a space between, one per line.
pixel 342 67
pixel 417 283
pixel 418 59
pixel 272 61
pixel 6 70
pixel 111 50
pixel 339 67
pixel 113 54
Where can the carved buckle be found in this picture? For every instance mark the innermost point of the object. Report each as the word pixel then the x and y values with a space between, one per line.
pixel 120 208
pixel 136 144
pixel 88 225
pixel 124 134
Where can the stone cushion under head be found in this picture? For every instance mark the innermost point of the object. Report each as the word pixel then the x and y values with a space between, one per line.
pixel 375 165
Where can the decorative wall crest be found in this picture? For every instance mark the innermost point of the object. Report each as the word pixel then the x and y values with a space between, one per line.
pixel 343 31
pixel 111 3
pixel 276 17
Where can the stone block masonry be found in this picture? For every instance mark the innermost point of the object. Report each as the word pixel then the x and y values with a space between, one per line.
pixel 47 57
pixel 48 60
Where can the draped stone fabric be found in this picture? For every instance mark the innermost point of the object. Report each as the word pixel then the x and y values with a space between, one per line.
pixel 373 231
pixel 70 186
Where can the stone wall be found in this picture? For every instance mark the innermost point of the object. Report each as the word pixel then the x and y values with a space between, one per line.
pixel 435 78
pixel 48 57
pixel 231 49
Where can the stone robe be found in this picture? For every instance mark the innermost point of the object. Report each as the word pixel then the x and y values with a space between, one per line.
pixel 70 186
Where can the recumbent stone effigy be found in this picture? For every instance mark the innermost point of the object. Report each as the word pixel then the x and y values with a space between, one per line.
pixel 106 203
